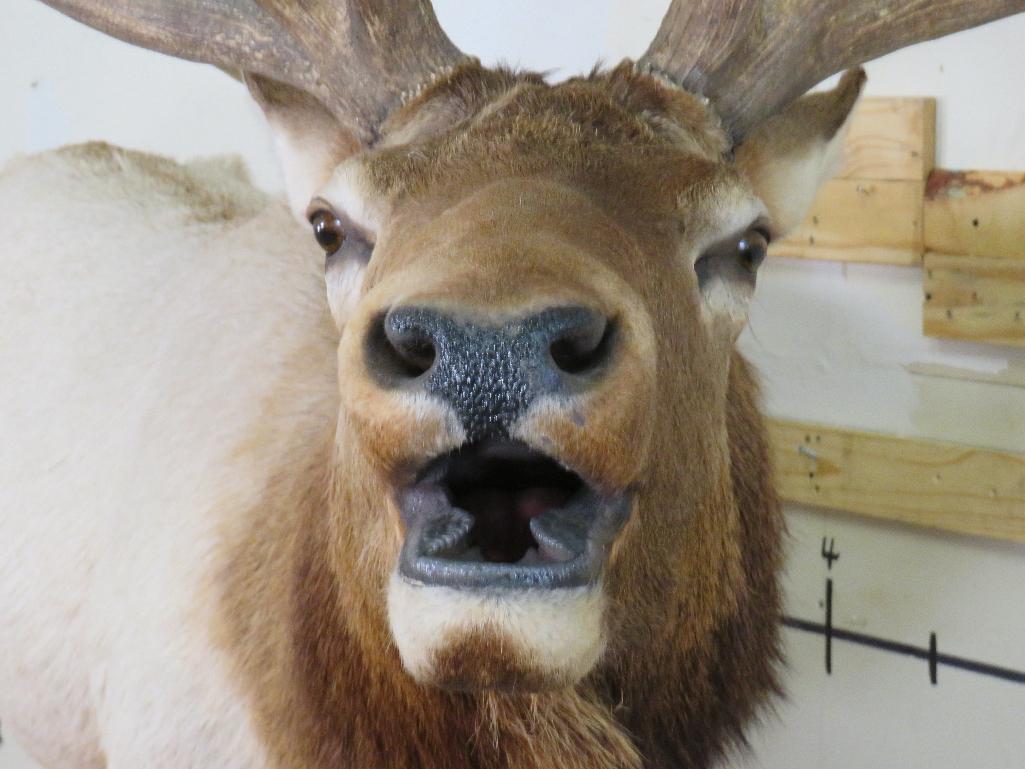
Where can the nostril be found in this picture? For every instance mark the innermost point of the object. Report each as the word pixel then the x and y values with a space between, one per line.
pixel 583 348
pixel 401 347
pixel 414 351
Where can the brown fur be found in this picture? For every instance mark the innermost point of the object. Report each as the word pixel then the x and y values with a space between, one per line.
pixel 485 660
pixel 602 172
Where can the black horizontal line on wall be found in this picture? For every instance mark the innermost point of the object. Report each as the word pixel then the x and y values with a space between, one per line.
pixel 930 653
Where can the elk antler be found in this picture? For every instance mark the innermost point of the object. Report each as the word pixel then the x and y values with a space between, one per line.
pixel 355 56
pixel 752 57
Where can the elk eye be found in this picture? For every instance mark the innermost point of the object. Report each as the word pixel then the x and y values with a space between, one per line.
pixel 327 229
pixel 751 249
pixel 733 260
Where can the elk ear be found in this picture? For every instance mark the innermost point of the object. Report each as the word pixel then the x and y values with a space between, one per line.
pixel 791 154
pixel 310 142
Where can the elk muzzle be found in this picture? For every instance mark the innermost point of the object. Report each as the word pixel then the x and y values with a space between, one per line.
pixel 497 512
pixel 506 531
pixel 490 374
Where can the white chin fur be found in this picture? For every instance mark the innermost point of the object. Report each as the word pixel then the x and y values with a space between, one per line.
pixel 561 631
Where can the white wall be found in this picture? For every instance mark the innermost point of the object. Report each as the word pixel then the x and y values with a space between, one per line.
pixel 835 344
pixel 841 344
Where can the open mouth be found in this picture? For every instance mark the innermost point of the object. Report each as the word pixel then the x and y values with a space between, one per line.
pixel 497 513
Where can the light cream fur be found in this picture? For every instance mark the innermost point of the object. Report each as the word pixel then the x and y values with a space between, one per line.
pixel 560 631
pixel 788 157
pixel 791 181
pixel 149 309
pixel 351 195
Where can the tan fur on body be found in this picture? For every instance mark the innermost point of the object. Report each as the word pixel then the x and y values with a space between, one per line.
pixel 590 169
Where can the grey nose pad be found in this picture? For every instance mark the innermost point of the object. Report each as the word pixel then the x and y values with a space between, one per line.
pixel 490 374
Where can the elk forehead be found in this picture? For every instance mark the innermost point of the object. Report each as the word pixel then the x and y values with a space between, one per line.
pixel 659 163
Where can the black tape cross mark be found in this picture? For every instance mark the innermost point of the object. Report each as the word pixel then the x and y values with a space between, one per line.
pixel 931 655
pixel 829 627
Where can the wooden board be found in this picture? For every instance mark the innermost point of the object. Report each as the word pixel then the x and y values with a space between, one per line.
pixel 1012 375
pixel 979 213
pixel 891 139
pixel 858 220
pixel 926 483
pixel 977 298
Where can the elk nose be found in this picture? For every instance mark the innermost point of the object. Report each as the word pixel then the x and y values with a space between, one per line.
pixel 490 374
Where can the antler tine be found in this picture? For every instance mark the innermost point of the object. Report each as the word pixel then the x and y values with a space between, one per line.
pixel 369 52
pixel 358 57
pixel 232 34
pixel 752 57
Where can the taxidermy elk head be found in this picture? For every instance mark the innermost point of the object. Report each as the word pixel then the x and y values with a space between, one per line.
pixel 548 473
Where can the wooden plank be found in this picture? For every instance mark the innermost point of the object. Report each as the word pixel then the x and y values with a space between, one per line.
pixel 891 139
pixel 979 213
pixel 926 483
pixel 1012 375
pixel 858 220
pixel 976 298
